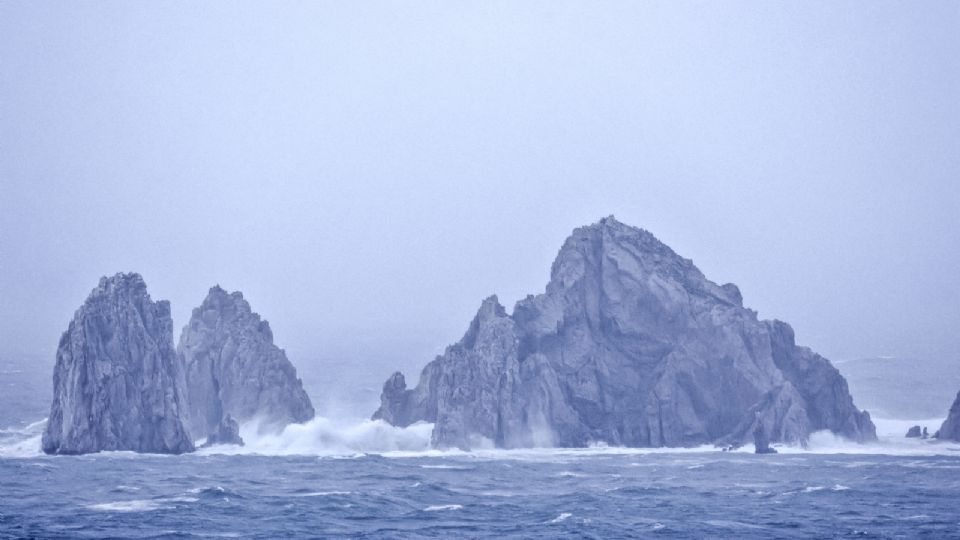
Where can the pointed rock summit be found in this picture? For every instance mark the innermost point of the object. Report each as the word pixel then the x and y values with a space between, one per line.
pixel 234 370
pixel 629 345
pixel 950 430
pixel 117 382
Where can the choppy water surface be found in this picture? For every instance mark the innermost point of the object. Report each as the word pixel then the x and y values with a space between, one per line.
pixel 369 480
pixel 532 494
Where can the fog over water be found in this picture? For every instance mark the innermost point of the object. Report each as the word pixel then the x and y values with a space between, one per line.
pixel 366 174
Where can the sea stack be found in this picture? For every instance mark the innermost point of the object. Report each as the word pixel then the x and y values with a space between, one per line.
pixel 950 430
pixel 234 370
pixel 629 345
pixel 117 382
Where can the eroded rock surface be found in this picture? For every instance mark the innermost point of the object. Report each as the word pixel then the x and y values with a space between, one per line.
pixel 629 345
pixel 234 369
pixel 117 382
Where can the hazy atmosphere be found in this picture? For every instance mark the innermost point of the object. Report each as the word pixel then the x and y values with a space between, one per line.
pixel 366 173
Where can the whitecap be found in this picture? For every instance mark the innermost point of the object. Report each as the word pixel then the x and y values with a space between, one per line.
pixel 181 499
pixel 323 493
pixel 562 517
pixel 438 507
pixel 137 505
pixel 328 438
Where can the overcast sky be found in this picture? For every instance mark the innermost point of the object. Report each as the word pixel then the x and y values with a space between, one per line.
pixel 367 172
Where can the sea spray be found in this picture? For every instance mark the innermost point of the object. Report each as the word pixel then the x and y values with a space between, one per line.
pixel 326 437
pixel 353 437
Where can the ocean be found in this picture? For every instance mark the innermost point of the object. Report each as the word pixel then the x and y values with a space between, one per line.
pixel 355 478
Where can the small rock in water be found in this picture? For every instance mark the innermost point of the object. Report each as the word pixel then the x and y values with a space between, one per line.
pixel 913 432
pixel 760 439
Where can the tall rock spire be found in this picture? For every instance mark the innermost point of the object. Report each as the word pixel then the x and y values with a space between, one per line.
pixel 117 382
pixel 234 369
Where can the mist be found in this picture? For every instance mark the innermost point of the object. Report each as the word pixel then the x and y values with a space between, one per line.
pixel 367 174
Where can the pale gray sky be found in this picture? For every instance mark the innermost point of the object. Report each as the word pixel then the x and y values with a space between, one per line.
pixel 367 172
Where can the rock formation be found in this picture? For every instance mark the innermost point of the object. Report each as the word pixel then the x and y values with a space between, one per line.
pixel 950 430
pixel 234 369
pixel 761 443
pixel 227 432
pixel 629 345
pixel 913 432
pixel 117 382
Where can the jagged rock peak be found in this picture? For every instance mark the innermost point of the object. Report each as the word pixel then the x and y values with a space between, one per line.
pixel 631 345
pixel 234 368
pixel 611 247
pixel 117 382
pixel 950 430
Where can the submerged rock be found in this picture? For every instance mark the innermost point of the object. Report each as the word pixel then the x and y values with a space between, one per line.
pixel 913 432
pixel 234 369
pixel 117 383
pixel 629 345
pixel 950 430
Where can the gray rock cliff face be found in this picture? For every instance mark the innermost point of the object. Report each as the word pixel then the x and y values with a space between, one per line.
pixel 234 369
pixel 629 345
pixel 117 382
pixel 950 430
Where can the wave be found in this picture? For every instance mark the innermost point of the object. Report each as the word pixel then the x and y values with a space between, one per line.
pixel 348 439
pixel 326 437
pixel 440 507
pixel 891 441
pixel 138 505
pixel 22 442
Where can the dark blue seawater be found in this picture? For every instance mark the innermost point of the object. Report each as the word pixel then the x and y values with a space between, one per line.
pixel 368 480
pixel 696 495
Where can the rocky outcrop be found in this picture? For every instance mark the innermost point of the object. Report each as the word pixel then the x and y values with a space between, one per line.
pixel 913 432
pixel 227 432
pixel 761 442
pixel 629 345
pixel 950 430
pixel 117 383
pixel 234 369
